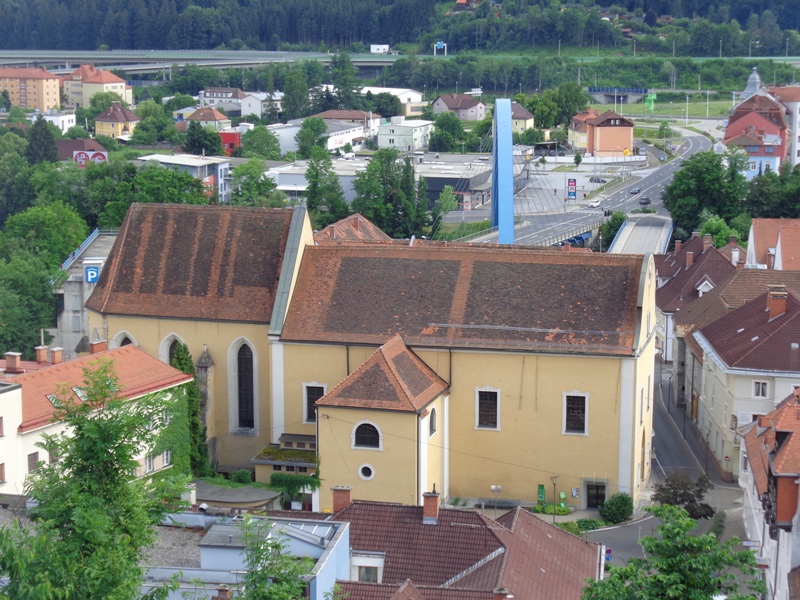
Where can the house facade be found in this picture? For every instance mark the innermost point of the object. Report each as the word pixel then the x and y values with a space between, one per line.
pixel 610 135
pixel 406 136
pixel 86 81
pixel 36 89
pixel 116 122
pixel 210 117
pixel 213 171
pixel 261 104
pixel 521 118
pixel 465 107
pixel 578 129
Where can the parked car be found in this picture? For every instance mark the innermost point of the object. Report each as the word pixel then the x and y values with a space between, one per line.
pixel 594 203
pixel 552 153
pixel 636 190
pixel 644 200
pixel 596 180
pixel 561 153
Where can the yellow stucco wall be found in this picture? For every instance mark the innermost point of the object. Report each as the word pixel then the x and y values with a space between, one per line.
pixel 612 141
pixel 433 448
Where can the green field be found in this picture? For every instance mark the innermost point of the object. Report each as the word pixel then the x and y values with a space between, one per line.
pixel 673 110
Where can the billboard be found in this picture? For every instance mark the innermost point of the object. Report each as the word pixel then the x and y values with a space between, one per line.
pixel 84 157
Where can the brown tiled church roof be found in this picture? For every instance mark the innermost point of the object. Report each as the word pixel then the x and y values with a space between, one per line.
pixel 194 262
pixel 482 297
pixel 356 227
pixel 393 378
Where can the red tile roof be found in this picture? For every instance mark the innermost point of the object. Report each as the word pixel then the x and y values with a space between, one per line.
pixel 347 115
pixel 497 297
pixel 670 264
pixel 138 374
pixel 393 378
pixel 195 262
pixel 578 122
pixel 788 93
pixel 206 113
pixel 26 73
pixel 468 552
pixel 607 116
pixel 764 236
pixel 458 101
pixel 746 338
pixel 789 248
pixel 764 105
pixel 88 74
pixel 117 114
pixel 356 227
pixel 709 266
pixel 794 584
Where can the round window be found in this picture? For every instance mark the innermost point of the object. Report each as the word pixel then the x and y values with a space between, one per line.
pixel 366 472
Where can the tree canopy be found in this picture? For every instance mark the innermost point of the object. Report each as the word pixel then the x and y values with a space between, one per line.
pixel 324 196
pixel 260 142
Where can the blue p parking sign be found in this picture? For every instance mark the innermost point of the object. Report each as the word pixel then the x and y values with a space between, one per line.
pixel 92 274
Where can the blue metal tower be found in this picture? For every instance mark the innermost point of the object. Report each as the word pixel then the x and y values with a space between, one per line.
pixel 503 173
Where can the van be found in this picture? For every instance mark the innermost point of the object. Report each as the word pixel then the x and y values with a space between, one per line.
pixel 349 155
pixel 484 158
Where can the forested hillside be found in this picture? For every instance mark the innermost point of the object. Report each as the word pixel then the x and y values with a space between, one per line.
pixel 696 26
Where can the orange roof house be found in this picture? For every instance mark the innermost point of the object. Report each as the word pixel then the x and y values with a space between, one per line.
pixel 764 247
pixel 609 134
pixel 354 228
pixel 30 88
pixel 210 117
pixel 116 122
pixel 86 81
pixel 578 128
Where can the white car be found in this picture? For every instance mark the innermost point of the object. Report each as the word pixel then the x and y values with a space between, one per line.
pixel 595 203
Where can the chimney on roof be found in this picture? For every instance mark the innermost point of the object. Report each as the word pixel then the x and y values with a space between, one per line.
pixel 707 241
pixel 356 222
pixel 342 497
pixel 732 240
pixel 223 593
pixel 41 354
pixel 776 300
pixel 13 362
pixel 430 507
pixel 695 234
pixel 56 355
pixel 689 259
pixel 501 594
pixel 98 346
pixel 735 258
pixel 678 244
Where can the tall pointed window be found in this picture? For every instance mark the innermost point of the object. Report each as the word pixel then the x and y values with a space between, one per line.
pixel 245 387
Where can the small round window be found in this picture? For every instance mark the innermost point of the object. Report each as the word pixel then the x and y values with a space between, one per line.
pixel 366 472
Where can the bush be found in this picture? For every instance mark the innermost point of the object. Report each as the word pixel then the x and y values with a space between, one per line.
pixel 570 527
pixel 617 508
pixel 590 524
pixel 717 524
pixel 242 476
pixel 548 508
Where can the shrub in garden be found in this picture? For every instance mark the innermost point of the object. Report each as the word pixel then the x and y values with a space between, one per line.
pixel 242 476
pixel 617 508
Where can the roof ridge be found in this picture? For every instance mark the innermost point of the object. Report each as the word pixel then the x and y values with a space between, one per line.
pixel 397 337
pixel 779 328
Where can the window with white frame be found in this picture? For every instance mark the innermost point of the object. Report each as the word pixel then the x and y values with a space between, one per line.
pixel 312 392
pixel 487 409
pixel 368 574
pixel 167 458
pixel 149 466
pixel 575 414
pixel 759 389
pixel 366 435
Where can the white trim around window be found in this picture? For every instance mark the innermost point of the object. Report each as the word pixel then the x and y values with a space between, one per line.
pixel 366 472
pixel 307 385
pixel 353 446
pixel 760 389
pixel 485 426
pixel 570 396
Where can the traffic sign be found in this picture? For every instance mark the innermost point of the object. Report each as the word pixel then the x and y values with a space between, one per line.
pixel 92 274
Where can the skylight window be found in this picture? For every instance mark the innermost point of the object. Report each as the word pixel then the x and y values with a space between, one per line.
pixel 80 394
pixel 740 330
pixel 754 339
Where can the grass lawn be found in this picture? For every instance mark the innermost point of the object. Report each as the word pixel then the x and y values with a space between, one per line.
pixel 454 231
pixel 670 110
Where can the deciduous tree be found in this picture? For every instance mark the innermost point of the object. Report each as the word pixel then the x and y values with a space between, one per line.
pixel 260 142
pixel 295 94
pixel 202 140
pixel 310 134
pixel 198 450
pixel 250 183
pixel 324 196
pixel 41 143
pixel 680 490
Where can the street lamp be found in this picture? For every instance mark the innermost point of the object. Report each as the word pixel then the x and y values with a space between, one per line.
pixel 554 478
pixel 720 48
pixel 600 237
pixel 496 489
pixel 559 48
pixel 634 47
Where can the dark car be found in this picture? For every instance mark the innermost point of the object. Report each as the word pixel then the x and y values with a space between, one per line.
pixel 552 152
pixel 561 153
pixel 636 190
pixel 597 180
pixel 644 200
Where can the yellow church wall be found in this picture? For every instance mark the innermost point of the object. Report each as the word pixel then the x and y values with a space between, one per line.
pixel 393 466
pixel 432 448
pixel 223 339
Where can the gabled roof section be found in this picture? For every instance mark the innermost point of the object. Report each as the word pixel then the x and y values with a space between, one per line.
pixel 355 590
pixel 393 378
pixel 66 147
pixel 670 264
pixel 764 236
pixel 458 101
pixel 117 114
pixel 785 93
pixel 206 113
pixel 709 266
pixel 605 120
pixel 519 112
pixel 26 73
pixel 499 297
pixel 138 374
pixel 354 228
pixel 347 115
pixel 763 104
pixel 195 262
pixel 787 251
pixel 747 338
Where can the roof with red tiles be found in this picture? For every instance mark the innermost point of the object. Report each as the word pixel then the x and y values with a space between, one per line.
pixel 747 338
pixel 138 374
pixel 773 450
pixel 753 127
pixel 26 73
pixel 223 92
pixel 520 552
pixel 763 104
pixel 710 267
pixel 788 248
pixel 498 297
pixel 206 113
pixel 668 265
pixel 347 115
pixel 66 147
pixel 356 227
pixel 764 236
pixel 195 262
pixel 89 74
pixel 458 101
pixel 605 118
pixel 353 590
pixel 785 93
pixel 578 122
pixel 117 114
pixel 393 378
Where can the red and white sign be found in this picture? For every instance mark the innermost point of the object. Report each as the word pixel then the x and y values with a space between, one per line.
pixel 84 157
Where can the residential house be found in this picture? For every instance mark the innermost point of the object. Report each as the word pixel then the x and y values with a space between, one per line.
pixel 412 100
pixel 436 553
pixel 339 134
pixel 209 117
pixel 471 182
pixel 759 127
pixel 559 373
pixel 697 276
pixel 86 81
pixel 773 243
pixel 213 171
pixel 406 136
pixel 578 129
pixel 67 149
pixel 290 178
pixel 28 411
pixel 180 115
pixel 62 120
pixel 227 99
pixel 751 361
pixel 367 119
pixel 769 466
pixel 261 104
pixel 789 96
pixel 214 278
pixel 521 118
pixel 465 106
pixel 232 137
pixel 609 134
pixel 117 122
pixel 37 89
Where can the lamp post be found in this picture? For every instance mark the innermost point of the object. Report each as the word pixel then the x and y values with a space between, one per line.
pixel 600 237
pixel 559 48
pixel 634 47
pixel 787 47
pixel 554 478
pixel 496 489
pixel 708 93
pixel 720 48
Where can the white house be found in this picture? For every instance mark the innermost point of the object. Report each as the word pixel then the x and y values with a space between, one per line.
pixel 258 103
pixel 213 171
pixel 61 120
pixel 406 136
pixel 379 49
pixel 413 101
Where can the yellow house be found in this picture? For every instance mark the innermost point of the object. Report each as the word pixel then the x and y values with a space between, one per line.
pixel 116 122
pixel 86 81
pixel 30 88
pixel 521 118
pixel 549 360
pixel 214 278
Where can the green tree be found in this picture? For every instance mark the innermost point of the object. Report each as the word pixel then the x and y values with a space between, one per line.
pixel 260 142
pixel 92 520
pixel 578 159
pixel 385 104
pixel 41 143
pixel 17 116
pixel 295 94
pixel 680 565
pixel 446 203
pixel 544 110
pixel 571 99
pixel 310 134
pixel 11 143
pixel 720 232
pixel 76 133
pixel 324 196
pixel 664 131
pixel 250 183
pixel 202 140
pixel 679 490
pixel 177 102
pixel 149 109
pixel 449 123
pixel 5 101
pixel 610 227
pixel 271 572
pixel 198 450
pixel 344 77
pixel 52 231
